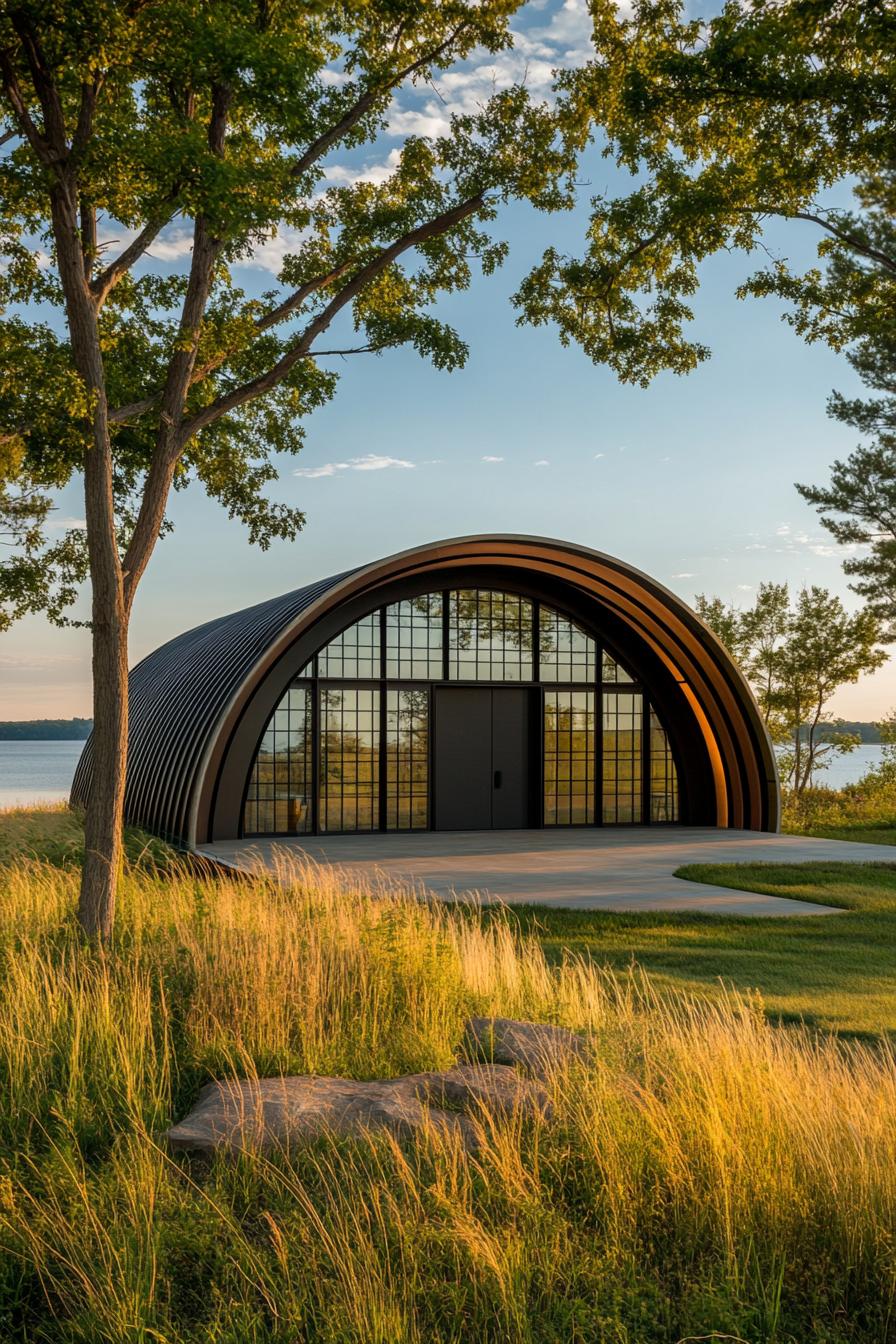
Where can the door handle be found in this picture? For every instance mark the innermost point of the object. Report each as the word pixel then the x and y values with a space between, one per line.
pixel 497 779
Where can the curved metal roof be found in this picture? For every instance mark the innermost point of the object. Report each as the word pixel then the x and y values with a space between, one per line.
pixel 185 696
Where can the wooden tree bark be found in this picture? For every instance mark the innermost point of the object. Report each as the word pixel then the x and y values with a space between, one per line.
pixel 103 822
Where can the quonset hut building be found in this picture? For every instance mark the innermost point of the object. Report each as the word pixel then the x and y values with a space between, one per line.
pixel 487 682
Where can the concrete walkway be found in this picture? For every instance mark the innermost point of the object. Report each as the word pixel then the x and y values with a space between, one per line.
pixel 627 868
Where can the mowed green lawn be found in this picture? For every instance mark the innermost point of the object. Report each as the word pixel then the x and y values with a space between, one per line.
pixel 837 972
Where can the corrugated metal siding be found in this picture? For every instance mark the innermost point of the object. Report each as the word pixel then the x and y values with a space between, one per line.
pixel 180 694
pixel 176 697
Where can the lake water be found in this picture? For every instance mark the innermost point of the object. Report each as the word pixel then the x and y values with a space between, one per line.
pixel 33 772
pixel 37 772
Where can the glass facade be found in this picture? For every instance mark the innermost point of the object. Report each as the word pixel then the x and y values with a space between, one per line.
pixel 414 639
pixel 663 775
pixel 569 758
pixel 349 747
pixel 349 759
pixel 565 653
pixel 490 636
pixel 407 759
pixel 623 762
pixel 355 654
pixel 278 799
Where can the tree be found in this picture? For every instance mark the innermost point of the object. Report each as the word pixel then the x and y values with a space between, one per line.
pixel 796 655
pixel 728 123
pixel 858 505
pixel 123 117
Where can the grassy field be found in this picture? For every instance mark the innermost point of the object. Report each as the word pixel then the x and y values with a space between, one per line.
pixel 837 972
pixel 709 1175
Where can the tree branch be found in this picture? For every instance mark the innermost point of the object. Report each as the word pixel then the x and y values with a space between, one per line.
pixel 265 382
pixel 44 87
pixel 290 305
pixel 168 446
pixel 864 249
pixel 27 126
pixel 359 109
pixel 102 284
pixel 86 112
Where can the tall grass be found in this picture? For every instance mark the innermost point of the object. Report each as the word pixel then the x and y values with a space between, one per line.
pixel 707 1172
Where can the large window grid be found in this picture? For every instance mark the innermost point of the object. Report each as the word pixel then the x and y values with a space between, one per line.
pixel 407 758
pixel 490 636
pixel 622 755
pixel 565 653
pixel 569 757
pixel 663 775
pixel 355 654
pixel 606 756
pixel 414 639
pixel 349 759
pixel 278 798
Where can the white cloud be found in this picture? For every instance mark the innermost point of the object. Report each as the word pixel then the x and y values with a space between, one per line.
pixel 369 462
pixel 68 524
pixel 685 574
pixel 542 462
pixel 432 119
pixel 537 51
pixel 492 459
pixel 598 455
pixel 270 255
pixel 745 587
pixel 568 34
pixel 375 462
pixel 338 175
pixel 172 244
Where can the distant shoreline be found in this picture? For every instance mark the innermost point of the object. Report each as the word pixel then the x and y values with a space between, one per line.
pixel 45 730
pixel 78 730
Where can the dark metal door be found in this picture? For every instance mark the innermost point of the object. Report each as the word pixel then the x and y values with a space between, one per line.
pixel 481 758
pixel 510 759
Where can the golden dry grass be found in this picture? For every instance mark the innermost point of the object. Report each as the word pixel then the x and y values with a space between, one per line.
pixel 709 1172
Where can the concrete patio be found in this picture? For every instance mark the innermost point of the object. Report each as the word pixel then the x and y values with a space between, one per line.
pixel 625 869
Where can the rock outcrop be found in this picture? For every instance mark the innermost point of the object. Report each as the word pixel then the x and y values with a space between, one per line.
pixel 535 1046
pixel 276 1112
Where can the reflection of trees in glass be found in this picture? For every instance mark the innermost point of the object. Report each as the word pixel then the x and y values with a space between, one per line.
pixel 407 758
pixel 491 636
pixel 480 615
pixel 278 798
pixel 568 758
pixel 622 757
pixel 566 653
pixel 349 759
pixel 414 638
pixel 663 775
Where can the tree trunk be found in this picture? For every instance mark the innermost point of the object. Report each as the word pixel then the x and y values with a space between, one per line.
pixel 109 614
pixel 105 807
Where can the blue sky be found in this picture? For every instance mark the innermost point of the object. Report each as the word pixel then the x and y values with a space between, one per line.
pixel 691 479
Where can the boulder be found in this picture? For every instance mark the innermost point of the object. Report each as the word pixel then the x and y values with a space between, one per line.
pixel 534 1045
pixel 274 1112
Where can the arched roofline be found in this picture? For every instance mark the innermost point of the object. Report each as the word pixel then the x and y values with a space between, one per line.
pixel 734 733
pixel 189 697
